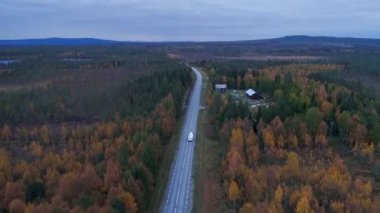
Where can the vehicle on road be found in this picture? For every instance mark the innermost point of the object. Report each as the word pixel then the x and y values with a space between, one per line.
pixel 190 136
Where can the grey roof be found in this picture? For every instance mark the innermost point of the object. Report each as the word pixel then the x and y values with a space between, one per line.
pixel 250 92
pixel 220 86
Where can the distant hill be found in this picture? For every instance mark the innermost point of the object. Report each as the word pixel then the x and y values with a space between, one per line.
pixel 283 42
pixel 299 42
pixel 56 41
pixel 277 48
pixel 318 41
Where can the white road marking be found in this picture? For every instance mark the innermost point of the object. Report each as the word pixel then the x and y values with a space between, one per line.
pixel 189 177
pixel 171 184
pixel 172 178
pixel 180 179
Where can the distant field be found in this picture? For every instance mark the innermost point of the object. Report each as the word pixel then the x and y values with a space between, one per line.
pixel 13 88
pixel 247 57
pixel 274 57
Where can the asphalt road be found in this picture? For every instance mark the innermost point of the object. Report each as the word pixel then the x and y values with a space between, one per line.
pixel 179 191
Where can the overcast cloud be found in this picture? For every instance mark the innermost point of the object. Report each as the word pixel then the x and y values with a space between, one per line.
pixel 187 20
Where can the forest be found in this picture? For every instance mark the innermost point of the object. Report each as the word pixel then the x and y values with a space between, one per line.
pixel 90 128
pixel 86 128
pixel 315 148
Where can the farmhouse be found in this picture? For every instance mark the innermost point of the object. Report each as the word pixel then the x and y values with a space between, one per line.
pixel 221 88
pixel 252 94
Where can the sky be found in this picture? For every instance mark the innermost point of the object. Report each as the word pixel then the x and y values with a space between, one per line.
pixel 188 20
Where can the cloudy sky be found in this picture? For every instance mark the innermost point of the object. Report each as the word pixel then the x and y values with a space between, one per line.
pixel 188 20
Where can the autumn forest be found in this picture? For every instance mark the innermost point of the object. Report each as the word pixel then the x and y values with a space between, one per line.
pixel 94 128
pixel 313 148
pixel 85 128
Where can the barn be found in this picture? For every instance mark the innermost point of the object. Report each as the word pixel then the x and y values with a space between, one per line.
pixel 221 88
pixel 252 94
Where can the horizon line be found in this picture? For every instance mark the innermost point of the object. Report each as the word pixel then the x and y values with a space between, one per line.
pixel 188 41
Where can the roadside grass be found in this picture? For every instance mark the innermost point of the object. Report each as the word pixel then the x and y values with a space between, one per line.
pixel 208 192
pixel 29 86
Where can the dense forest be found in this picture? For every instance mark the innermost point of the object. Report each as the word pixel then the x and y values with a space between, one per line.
pixel 360 73
pixel 314 148
pixel 85 128
pixel 89 128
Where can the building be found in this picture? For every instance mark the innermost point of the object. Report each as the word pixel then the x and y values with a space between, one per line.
pixel 252 94
pixel 221 87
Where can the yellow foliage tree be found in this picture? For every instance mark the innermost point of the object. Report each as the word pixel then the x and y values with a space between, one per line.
pixel 129 201
pixel 5 167
pixel 268 138
pixel 252 148
pixel 292 167
pixel 278 198
pixel 36 149
pixel 303 206
pixel 233 192
pixel 247 208
pixel 237 139
pixel 337 207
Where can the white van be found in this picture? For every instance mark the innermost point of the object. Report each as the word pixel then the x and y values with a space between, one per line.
pixel 190 136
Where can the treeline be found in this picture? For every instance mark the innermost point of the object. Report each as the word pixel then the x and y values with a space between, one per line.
pixel 287 157
pixel 41 63
pixel 359 69
pixel 360 63
pixel 92 140
pixel 241 74
pixel 237 74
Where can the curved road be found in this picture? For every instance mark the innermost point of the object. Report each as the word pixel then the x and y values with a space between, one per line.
pixel 179 191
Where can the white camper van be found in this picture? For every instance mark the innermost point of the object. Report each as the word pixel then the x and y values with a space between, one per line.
pixel 190 137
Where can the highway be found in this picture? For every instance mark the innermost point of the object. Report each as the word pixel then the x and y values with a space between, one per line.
pixel 179 191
